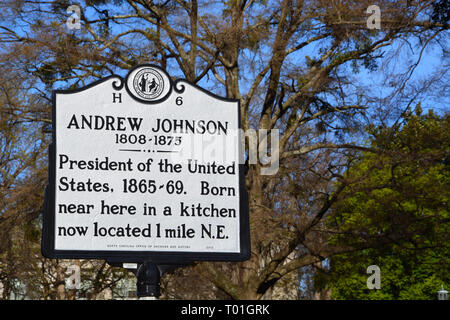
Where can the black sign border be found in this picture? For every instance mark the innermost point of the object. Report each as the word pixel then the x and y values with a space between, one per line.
pixel 161 257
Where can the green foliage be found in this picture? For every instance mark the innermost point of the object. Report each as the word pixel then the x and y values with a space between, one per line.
pixel 402 205
pixel 405 274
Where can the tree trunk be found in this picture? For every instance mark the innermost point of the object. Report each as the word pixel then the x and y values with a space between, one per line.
pixel 61 283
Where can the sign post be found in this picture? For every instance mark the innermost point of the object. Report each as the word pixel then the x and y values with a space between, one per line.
pixel 145 170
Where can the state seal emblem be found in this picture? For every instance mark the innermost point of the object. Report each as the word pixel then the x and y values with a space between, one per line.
pixel 148 83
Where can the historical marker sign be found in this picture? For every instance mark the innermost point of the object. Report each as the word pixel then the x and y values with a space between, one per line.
pixel 145 168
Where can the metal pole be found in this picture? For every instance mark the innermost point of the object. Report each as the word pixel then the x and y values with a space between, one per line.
pixel 148 281
pixel 148 276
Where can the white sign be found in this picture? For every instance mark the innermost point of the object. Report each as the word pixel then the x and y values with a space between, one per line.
pixel 142 166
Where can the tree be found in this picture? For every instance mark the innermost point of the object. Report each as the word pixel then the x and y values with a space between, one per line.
pixel 24 121
pixel 405 200
pixel 292 64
